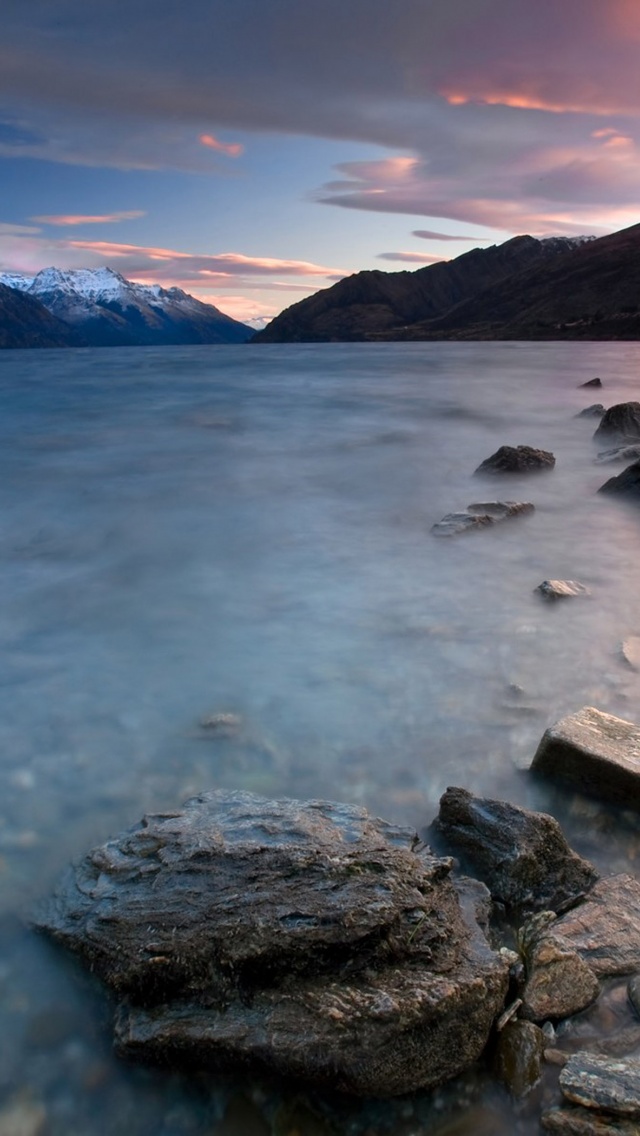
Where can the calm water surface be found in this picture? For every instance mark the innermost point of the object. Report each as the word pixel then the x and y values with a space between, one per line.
pixel 189 531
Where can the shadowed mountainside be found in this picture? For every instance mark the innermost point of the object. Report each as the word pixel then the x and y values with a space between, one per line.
pixel 25 322
pixel 523 289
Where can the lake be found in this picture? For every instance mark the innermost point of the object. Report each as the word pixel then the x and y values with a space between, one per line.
pixel 245 530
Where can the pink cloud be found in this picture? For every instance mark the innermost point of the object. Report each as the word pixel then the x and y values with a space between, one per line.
pixel 417 257
pixel 429 235
pixel 233 149
pixel 88 219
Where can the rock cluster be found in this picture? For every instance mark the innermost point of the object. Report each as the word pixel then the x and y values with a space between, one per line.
pixel 517 459
pixel 479 515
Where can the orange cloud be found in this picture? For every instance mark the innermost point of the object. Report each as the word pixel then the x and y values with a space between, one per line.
pixel 520 100
pixel 92 219
pixel 139 261
pixel 233 149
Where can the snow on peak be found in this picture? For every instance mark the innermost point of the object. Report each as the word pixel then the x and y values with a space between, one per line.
pixel 87 283
pixel 16 280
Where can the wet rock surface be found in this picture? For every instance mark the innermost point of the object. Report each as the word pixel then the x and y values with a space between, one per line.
pixel 561 589
pixel 595 752
pixel 605 928
pixel 479 515
pixel 307 938
pixel 519 1055
pixel 592 383
pixel 625 484
pixel 576 1121
pixel 620 421
pixel 630 651
pixel 559 982
pixel 602 1083
pixel 522 856
pixel 517 459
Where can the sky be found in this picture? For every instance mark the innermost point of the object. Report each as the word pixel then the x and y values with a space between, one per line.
pixel 254 151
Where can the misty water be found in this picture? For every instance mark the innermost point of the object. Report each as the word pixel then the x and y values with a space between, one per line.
pixel 246 530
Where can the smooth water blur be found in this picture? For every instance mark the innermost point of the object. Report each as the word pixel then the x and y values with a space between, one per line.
pixel 189 531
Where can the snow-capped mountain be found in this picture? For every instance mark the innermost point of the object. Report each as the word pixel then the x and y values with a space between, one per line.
pixel 107 310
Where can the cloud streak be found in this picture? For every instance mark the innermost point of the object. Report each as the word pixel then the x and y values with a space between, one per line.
pixel 232 149
pixel 70 219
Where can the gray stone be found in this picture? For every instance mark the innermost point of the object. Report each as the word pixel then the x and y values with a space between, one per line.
pixel 620 421
pixel 479 515
pixel 625 484
pixel 521 856
pixel 306 938
pixel 630 651
pixel 595 752
pixel 517 459
pixel 596 410
pixel 603 1083
pixel 628 453
pixel 605 928
pixel 592 383
pixel 559 983
pixel 518 1057
pixel 578 1121
pixel 561 589
pixel 633 992
pixel 454 523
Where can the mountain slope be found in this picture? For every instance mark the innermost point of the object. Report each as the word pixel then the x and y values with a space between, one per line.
pixel 108 310
pixel 380 305
pixel 25 322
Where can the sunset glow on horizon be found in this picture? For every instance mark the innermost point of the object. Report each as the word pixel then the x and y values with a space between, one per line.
pixel 466 123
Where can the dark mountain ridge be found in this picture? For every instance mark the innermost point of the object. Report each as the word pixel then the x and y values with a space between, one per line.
pixel 25 322
pixel 524 289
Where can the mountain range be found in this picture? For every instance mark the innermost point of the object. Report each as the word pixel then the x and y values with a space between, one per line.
pixel 99 308
pixel 555 288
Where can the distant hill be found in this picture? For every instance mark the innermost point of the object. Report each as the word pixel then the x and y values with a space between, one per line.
pixel 105 310
pixel 25 322
pixel 557 288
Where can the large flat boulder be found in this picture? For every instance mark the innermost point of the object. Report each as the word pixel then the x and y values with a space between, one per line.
pixel 603 1083
pixel 625 484
pixel 306 938
pixel 522 856
pixel 595 752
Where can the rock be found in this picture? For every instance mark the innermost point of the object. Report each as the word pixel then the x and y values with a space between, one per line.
pixel 630 651
pixel 223 725
pixel 596 753
pixel 305 938
pixel 561 589
pixel 22 1117
pixel 559 982
pixel 518 1058
pixel 578 1121
pixel 633 992
pixel 517 459
pixel 628 453
pixel 605 927
pixel 454 523
pixel 521 856
pixel 479 515
pixel 592 383
pixel 596 410
pixel 602 1083
pixel 625 484
pixel 621 420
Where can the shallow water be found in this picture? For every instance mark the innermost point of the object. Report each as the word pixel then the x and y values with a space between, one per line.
pixel 189 531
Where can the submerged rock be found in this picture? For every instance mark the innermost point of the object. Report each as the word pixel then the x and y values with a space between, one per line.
pixel 478 515
pixel 517 459
pixel 630 453
pixel 630 651
pixel 625 484
pixel 521 856
pixel 596 410
pixel 621 420
pixel 307 938
pixel 592 383
pixel 602 1083
pixel 561 589
pixel 596 753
